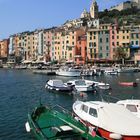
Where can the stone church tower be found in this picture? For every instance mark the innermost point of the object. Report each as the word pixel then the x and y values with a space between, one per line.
pixel 94 9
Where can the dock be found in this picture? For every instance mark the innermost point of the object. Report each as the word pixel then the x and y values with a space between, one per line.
pixel 45 72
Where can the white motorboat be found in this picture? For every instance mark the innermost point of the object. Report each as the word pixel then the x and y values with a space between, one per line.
pixel 57 85
pixel 112 121
pixel 132 105
pixel 111 71
pixel 99 85
pixel 81 85
pixel 102 85
pixel 69 72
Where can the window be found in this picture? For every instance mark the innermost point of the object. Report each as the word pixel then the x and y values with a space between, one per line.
pixel 85 108
pixel 132 42
pixel 113 44
pixel 100 55
pixel 132 108
pixel 94 44
pixel 70 55
pixel 106 32
pixel 90 44
pixel 106 39
pixel 137 42
pixel 90 37
pixel 100 40
pixel 100 48
pixel 72 43
pixel 93 112
pixel 107 48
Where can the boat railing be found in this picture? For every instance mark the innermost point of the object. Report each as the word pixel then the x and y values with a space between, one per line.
pixel 59 108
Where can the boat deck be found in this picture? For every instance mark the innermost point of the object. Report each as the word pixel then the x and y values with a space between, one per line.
pixel 54 127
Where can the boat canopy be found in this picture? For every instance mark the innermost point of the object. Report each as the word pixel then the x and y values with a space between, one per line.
pixel 56 83
pixel 109 116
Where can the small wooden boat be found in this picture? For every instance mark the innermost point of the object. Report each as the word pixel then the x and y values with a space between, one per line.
pixel 134 84
pixel 49 124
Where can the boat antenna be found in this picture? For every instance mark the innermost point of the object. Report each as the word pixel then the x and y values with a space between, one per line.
pixel 102 99
pixel 132 97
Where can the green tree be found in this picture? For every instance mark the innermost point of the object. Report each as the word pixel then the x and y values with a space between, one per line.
pixel 121 54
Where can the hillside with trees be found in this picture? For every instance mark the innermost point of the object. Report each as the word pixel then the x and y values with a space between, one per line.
pixel 124 17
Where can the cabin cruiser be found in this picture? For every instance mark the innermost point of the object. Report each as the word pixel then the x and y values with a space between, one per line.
pixel 112 121
pixel 69 72
pixel 57 85
pixel 81 85
pixel 131 105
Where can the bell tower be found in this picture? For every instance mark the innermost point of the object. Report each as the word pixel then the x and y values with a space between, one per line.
pixel 94 9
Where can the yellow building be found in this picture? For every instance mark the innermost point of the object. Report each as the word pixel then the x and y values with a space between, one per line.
pixel 123 38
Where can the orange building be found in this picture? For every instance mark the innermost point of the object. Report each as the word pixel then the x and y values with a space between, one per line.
pixel 81 50
pixel 72 38
pixel 4 49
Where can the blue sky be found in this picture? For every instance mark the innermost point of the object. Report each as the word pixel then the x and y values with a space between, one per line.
pixel 22 15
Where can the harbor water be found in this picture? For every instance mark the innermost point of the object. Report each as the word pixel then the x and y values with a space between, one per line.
pixel 21 91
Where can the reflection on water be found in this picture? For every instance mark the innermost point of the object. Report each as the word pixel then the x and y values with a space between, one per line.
pixel 20 92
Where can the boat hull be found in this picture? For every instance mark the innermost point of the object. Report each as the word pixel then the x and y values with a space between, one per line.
pixel 89 88
pixel 103 125
pixel 106 134
pixel 134 84
pixel 62 89
pixel 69 73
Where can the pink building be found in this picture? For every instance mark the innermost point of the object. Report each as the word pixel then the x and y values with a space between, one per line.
pixel 47 36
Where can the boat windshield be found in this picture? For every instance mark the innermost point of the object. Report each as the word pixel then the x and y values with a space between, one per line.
pixel 84 108
pixel 132 108
pixel 93 112
pixel 80 82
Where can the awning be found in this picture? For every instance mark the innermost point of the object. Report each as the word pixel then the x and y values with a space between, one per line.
pixel 26 61
pixel 134 47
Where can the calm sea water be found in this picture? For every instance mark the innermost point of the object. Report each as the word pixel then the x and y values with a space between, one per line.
pixel 20 92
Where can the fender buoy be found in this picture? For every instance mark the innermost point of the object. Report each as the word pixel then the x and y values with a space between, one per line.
pixel 115 136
